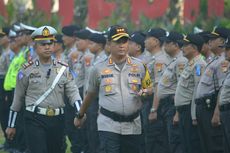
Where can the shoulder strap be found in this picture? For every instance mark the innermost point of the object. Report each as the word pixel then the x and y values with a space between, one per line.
pixel 45 95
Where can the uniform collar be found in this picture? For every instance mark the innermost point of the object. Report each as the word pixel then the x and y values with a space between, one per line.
pixel 128 61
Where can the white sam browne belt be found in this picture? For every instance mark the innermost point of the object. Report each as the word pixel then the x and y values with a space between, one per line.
pixel 45 111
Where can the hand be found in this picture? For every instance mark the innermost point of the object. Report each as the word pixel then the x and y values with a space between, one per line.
pixel 10 132
pixel 176 119
pixel 153 116
pixel 79 122
pixel 215 119
pixel 194 122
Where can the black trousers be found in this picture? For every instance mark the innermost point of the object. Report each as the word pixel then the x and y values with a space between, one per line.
pixel 116 143
pixel 189 132
pixel 44 134
pixel 225 118
pixel 91 127
pixel 4 107
pixel 211 138
pixel 156 139
pixel 77 136
pixel 166 112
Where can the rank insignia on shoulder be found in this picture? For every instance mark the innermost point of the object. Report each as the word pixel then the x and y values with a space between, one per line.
pixel 87 61
pixel 63 63
pixel 26 65
pixel 198 70
pixel 159 67
pixel 224 66
pixel 181 67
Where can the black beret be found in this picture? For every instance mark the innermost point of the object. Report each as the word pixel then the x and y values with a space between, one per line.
pixel 157 33
pixel 70 30
pixel 82 34
pixel 139 38
pixel 97 38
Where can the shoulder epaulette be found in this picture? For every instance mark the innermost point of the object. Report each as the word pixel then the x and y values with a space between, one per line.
pixel 63 63
pixel 28 64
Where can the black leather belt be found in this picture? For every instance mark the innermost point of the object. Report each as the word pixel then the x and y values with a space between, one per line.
pixel 207 101
pixel 224 107
pixel 118 117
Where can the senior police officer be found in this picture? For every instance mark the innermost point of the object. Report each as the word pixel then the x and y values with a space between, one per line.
pixel 117 80
pixel 224 102
pixel 207 92
pixel 42 84
pixel 167 88
pixel 186 91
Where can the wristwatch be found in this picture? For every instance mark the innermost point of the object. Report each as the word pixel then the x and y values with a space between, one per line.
pixel 153 110
pixel 79 116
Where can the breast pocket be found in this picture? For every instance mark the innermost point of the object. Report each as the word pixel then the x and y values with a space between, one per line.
pixel 34 84
pixel 134 85
pixel 60 85
pixel 185 79
pixel 108 86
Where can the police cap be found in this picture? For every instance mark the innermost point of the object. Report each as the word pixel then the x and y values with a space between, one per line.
pixel 139 38
pixel 194 39
pixel 117 32
pixel 44 34
pixel 97 38
pixel 70 30
pixel 4 31
pixel 219 32
pixel 172 37
pixel 157 33
pixel 83 34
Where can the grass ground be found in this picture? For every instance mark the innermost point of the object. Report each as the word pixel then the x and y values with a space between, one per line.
pixel 2 141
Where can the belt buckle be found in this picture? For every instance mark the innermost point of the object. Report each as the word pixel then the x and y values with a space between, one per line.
pixel 50 112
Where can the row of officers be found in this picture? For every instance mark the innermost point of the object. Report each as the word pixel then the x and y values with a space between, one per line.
pixel 153 92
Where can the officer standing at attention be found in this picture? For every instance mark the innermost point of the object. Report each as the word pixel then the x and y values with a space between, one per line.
pixel 117 80
pixel 186 92
pixel 207 92
pixel 224 102
pixel 156 136
pixel 206 51
pixel 42 85
pixel 167 88
pixel 137 46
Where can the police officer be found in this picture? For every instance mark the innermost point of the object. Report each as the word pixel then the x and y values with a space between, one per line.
pixel 43 83
pixel 117 80
pixel 137 46
pixel 59 48
pixel 186 91
pixel 207 92
pixel 167 88
pixel 97 43
pixel 224 102
pixel 206 51
pixel 156 136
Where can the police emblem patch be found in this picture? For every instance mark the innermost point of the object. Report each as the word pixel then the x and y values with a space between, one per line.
pixel 108 88
pixel 20 75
